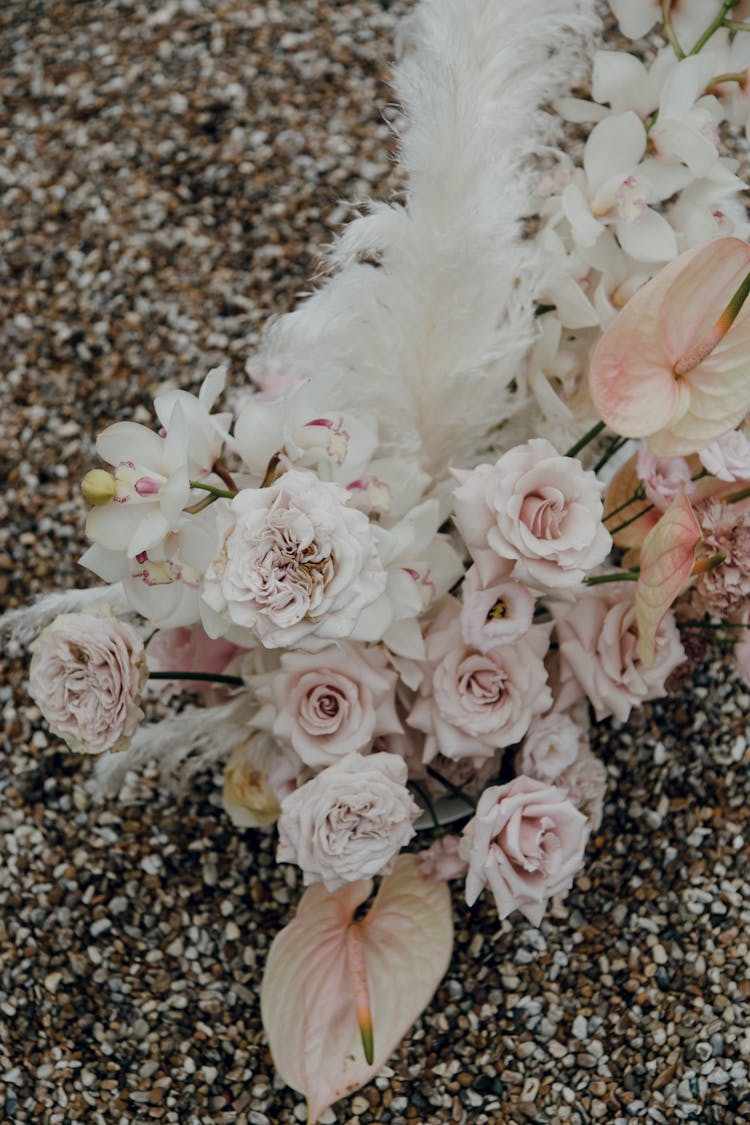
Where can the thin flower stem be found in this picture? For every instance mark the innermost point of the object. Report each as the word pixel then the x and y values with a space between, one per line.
pixel 615 576
pixel 425 799
pixel 614 447
pixel 627 523
pixel 201 505
pixel 639 494
pixel 454 789
pixel 204 677
pixel 735 497
pixel 666 14
pixel 720 79
pixel 217 492
pixel 587 437
pixel 713 27
pixel 713 625
pixel 150 637
pixel 736 25
pixel 224 474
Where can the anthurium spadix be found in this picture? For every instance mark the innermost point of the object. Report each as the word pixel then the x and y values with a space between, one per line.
pixel 667 560
pixel 674 366
pixel 340 992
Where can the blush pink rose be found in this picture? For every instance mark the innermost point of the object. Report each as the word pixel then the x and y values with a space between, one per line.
pixel 328 704
pixel 728 458
pixel 537 510
pixel 497 614
pixel 472 703
pixel 585 782
pixel 87 674
pixel 190 649
pixel 598 645
pixel 663 478
pixel 526 843
pixel 349 822
pixel 442 861
pixel 552 744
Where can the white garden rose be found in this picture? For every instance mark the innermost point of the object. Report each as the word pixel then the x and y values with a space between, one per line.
pixel 296 564
pixel 87 674
pixel 349 822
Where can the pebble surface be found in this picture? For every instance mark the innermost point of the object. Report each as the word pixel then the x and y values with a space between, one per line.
pixel 169 173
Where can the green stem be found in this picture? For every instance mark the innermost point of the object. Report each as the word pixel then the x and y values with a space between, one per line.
pixel 615 576
pixel 735 497
pixel 712 625
pixel 614 447
pixel 666 15
pixel 627 523
pixel 639 494
pixel 204 677
pixel 217 492
pixel 587 437
pixel 720 79
pixel 713 27
pixel 454 789
pixel 425 799
pixel 736 25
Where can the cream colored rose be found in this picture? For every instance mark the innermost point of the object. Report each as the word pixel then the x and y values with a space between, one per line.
pixel 247 796
pixel 349 822
pixel 87 674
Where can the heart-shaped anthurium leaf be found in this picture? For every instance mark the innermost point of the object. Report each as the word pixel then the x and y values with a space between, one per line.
pixel 338 993
pixel 667 559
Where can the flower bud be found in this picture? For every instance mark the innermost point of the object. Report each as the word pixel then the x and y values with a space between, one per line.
pixel 98 487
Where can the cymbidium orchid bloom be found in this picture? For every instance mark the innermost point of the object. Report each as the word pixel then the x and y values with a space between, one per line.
pixel 675 364
pixel 689 17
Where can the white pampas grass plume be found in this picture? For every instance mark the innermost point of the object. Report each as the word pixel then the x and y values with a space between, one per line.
pixel 22 625
pixel 430 339
pixel 181 745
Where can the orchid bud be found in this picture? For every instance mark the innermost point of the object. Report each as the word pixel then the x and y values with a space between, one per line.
pixel 98 487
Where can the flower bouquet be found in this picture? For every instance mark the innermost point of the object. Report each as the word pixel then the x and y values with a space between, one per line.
pixel 488 484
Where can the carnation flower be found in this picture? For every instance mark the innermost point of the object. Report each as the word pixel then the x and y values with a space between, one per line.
pixel 328 704
pixel 663 477
pixel 526 844
pixel 551 745
pixel 296 566
pixel 496 614
pixel 248 797
pixel 442 861
pixel 728 458
pixel 86 676
pixel 536 509
pixel 471 703
pixel 724 591
pixel 349 822
pixel 598 641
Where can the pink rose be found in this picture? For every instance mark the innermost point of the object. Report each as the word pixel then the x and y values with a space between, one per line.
pixel 663 478
pixel 526 843
pixel 536 509
pixel 296 562
pixel 585 782
pixel 190 649
pixel 728 458
pixel 442 861
pixel 551 745
pixel 495 615
pixel 86 677
pixel 349 822
pixel 471 703
pixel 333 702
pixel 598 644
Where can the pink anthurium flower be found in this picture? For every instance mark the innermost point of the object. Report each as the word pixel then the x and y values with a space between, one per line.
pixel 674 366
pixel 338 993
pixel 667 559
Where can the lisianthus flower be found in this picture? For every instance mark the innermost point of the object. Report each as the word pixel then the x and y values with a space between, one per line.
pixel 663 477
pixel 497 614
pixel 674 365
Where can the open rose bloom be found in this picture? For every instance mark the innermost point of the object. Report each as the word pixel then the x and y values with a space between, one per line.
pixel 479 493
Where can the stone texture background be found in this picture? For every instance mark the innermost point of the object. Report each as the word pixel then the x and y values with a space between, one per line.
pixel 169 172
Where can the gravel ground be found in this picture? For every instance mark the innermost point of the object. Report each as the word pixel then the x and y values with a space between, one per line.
pixel 168 173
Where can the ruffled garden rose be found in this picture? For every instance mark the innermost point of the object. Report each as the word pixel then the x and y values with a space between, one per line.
pixel 328 704
pixel 248 797
pixel 552 744
pixel 526 843
pixel 296 564
pixel 536 509
pixel 494 615
pixel 87 674
pixel 598 641
pixel 349 822
pixel 471 703
pixel 728 458
pixel 663 477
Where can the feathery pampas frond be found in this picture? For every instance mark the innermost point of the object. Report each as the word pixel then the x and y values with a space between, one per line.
pixel 22 625
pixel 182 745
pixel 430 341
